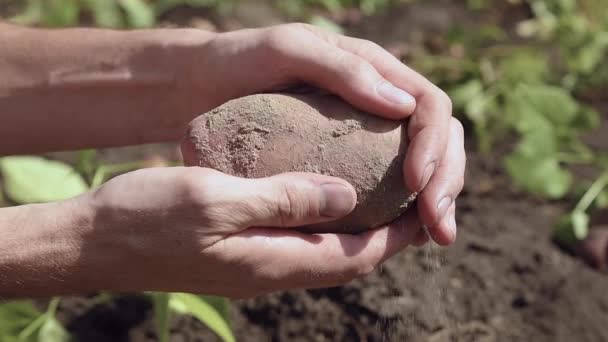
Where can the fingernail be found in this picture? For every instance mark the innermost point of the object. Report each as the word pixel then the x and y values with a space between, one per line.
pixel 338 200
pixel 442 207
pixel 426 176
pixel 394 94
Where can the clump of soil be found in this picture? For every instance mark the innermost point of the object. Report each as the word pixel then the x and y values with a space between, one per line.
pixel 268 134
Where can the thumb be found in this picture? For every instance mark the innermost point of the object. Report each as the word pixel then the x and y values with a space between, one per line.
pixel 294 199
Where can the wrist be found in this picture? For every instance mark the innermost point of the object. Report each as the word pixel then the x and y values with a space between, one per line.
pixel 182 53
pixel 189 53
pixel 41 248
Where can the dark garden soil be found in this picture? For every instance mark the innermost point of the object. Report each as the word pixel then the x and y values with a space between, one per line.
pixel 503 280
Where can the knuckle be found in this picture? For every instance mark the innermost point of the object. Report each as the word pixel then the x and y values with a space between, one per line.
pixel 277 38
pixel 290 206
pixel 442 99
pixel 367 45
pixel 355 68
pixel 456 125
pixel 190 184
pixel 364 269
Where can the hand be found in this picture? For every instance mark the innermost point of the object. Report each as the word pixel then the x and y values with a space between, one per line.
pixel 201 231
pixel 243 62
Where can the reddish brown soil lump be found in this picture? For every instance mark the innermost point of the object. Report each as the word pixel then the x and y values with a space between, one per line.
pixel 263 135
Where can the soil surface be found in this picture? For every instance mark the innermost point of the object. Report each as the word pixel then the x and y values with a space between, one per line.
pixel 503 280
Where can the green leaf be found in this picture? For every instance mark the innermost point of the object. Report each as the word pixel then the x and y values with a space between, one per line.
pixel 140 14
pixel 87 162
pixel 14 317
pixel 601 202
pixel 572 228
pixel 524 67
pixel 326 24
pixel 32 14
pixel 555 103
pixel 543 177
pixel 105 13
pixel 61 12
pixel 199 308
pixel 161 315
pixel 221 304
pixel 587 119
pixel 35 180
pixel 462 94
pixel 591 54
pixel 538 144
pixel 522 116
pixel 52 331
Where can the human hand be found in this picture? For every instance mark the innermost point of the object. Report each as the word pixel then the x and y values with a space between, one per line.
pixel 197 230
pixel 243 62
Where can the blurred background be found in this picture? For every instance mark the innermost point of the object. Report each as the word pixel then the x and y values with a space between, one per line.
pixel 528 79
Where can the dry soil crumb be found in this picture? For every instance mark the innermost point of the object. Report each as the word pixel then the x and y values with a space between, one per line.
pixel 346 127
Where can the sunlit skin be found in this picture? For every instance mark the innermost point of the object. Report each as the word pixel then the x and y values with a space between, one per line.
pixel 195 229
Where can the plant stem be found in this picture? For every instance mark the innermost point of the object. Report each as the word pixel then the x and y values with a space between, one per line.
pixel 161 311
pixel 52 308
pixel 40 320
pixel 594 190
pixel 32 327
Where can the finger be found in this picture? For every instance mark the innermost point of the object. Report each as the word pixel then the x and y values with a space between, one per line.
pixel 355 79
pixel 441 192
pixel 285 200
pixel 445 231
pixel 428 125
pixel 286 259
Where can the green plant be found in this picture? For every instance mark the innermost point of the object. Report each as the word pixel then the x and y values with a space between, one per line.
pixel 31 179
pixel 300 8
pixel 530 91
pixel 104 13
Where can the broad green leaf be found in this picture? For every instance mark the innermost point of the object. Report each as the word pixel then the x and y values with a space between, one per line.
pixel 35 180
pixel 601 202
pixel 543 177
pixel 87 162
pixel 537 145
pixel 199 308
pixel 524 67
pixel 587 119
pixel 61 12
pixel 221 304
pixel 14 317
pixel 139 13
pixel 52 331
pixel 554 103
pixel 464 93
pixel 105 13
pixel 522 116
pixel 32 14
pixel 162 314
pixel 2 200
pixel 326 24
